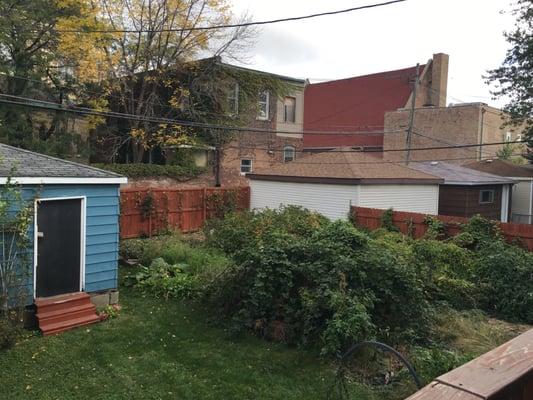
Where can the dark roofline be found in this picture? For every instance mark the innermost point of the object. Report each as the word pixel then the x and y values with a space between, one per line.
pixel 283 77
pixel 343 181
pixel 373 75
pixel 33 153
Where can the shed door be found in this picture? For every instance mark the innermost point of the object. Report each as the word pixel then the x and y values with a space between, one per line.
pixel 58 247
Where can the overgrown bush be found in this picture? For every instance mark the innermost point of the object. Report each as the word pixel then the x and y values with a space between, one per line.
pixel 132 248
pixel 172 267
pixel 304 280
pixel 8 333
pixel 504 274
pixel 153 170
pixel 166 280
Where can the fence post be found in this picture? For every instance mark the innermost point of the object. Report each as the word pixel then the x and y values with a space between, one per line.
pixel 204 216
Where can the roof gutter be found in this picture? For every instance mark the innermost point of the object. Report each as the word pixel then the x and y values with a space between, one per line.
pixel 64 180
pixel 344 181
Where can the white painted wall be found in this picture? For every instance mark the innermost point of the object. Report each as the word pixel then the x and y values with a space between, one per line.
pixel 522 198
pixel 411 198
pixel 334 201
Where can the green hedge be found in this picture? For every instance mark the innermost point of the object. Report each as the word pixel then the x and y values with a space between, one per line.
pixel 153 170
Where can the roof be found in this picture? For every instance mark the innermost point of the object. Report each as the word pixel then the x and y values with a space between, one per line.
pixel 343 167
pixel 358 103
pixel 488 376
pixel 34 168
pixel 458 175
pixel 502 168
pixel 256 71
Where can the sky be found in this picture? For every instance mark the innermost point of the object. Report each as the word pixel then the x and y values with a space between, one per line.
pixel 382 39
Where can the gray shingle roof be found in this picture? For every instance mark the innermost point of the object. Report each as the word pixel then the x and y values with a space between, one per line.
pixel 457 175
pixel 29 164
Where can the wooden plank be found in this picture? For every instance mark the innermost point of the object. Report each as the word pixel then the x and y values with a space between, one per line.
pixel 439 391
pixel 496 370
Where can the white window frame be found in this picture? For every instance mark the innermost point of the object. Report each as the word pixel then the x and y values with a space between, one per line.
pixel 251 165
pixel 492 195
pixel 289 148
pixel 508 136
pixel 233 100
pixel 266 105
pixel 285 109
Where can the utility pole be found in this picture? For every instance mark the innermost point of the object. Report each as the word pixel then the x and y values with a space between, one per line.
pixel 217 166
pixel 411 117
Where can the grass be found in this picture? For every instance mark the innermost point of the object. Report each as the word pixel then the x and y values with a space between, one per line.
pixel 159 350
pixel 168 350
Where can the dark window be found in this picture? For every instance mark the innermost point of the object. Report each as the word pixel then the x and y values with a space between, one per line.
pixel 246 165
pixel 233 100
pixel 289 105
pixel 288 153
pixel 264 105
pixel 486 196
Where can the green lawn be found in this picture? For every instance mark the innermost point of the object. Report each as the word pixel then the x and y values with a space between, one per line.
pixel 159 350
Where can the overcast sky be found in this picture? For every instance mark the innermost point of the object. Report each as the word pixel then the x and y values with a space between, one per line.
pixel 382 39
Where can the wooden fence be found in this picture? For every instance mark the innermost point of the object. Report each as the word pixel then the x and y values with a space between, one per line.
pixel 413 224
pixel 145 212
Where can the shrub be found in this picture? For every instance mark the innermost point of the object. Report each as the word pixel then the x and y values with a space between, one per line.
pixel 153 170
pixel 8 333
pixel 304 280
pixel 447 272
pixel 166 280
pixel 132 248
pixel 434 361
pixel 504 274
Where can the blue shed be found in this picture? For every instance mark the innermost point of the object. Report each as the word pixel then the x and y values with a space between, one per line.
pixel 75 233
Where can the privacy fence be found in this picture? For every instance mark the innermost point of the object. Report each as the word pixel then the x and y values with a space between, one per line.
pixel 145 212
pixel 414 225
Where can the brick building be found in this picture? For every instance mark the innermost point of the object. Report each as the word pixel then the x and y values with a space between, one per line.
pixel 372 112
pixel 279 135
pixel 358 105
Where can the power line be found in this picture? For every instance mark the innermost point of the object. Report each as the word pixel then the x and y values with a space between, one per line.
pixel 28 102
pixel 377 161
pixel 89 111
pixel 459 146
pixel 236 25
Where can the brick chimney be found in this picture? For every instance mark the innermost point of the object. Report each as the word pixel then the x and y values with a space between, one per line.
pixel 439 79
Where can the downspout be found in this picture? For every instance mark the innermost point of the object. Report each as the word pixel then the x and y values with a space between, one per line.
pixel 481 128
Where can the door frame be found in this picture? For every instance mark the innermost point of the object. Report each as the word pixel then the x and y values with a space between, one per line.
pixel 83 230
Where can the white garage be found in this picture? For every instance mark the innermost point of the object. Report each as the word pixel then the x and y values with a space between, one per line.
pixel 331 182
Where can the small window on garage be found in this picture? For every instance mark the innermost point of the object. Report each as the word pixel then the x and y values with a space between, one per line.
pixel 288 153
pixel 246 165
pixel 486 196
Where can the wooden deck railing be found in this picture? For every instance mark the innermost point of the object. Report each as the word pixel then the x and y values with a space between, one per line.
pixel 505 373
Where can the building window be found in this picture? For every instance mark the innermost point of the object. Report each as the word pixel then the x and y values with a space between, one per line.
pixel 486 196
pixel 508 136
pixel 246 165
pixel 289 106
pixel 233 100
pixel 264 105
pixel 288 153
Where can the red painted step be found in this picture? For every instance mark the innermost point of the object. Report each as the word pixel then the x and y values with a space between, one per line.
pixel 60 313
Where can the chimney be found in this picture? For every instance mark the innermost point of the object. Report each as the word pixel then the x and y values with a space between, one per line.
pixel 439 79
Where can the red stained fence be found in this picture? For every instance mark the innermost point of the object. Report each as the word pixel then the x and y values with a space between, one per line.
pixel 413 223
pixel 145 212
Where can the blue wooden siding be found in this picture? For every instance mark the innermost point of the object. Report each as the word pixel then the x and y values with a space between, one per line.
pixel 102 229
